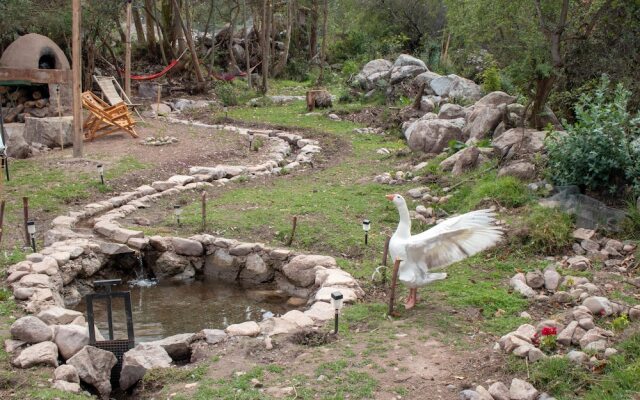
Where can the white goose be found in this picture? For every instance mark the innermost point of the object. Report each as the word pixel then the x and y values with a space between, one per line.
pixel 451 240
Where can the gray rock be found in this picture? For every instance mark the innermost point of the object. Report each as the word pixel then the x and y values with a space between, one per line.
pixel 566 335
pixel 584 234
pixel 221 265
pixel 372 72
pixel 94 367
pixel 426 78
pixel 481 123
pixel 399 74
pixel 160 109
pixel 499 391
pixel 17 146
pixel 634 313
pixel 301 269
pixel 249 328
pixel 404 60
pixel 535 355
pixel 452 111
pixel 43 353
pixel 579 263
pixel 535 279
pixel 214 336
pixel 187 247
pixel 177 346
pixel 609 352
pixel 551 279
pixel 562 297
pixel 433 136
pixel 577 357
pixel 58 316
pixel 441 85
pixel 65 386
pixel 484 393
pixel 462 88
pixel 598 305
pixel 522 390
pixel 518 283
pixel 70 339
pixel 514 143
pixel 66 373
pixel 256 270
pixel 520 169
pixel 469 395
pixel 169 264
pixel 467 160
pixel 590 245
pixel 137 361
pixel 49 131
pixel 30 329
pixel 495 99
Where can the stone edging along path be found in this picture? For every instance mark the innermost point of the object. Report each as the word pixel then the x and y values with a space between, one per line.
pixel 59 274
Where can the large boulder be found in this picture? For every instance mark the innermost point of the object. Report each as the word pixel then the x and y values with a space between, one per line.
pixel 432 136
pixel 177 346
pixel 31 330
pixel 481 123
pixel 465 89
pixel 17 146
pixel 301 270
pixel 256 270
pixel 452 111
pixel 441 85
pixel 372 72
pixel 519 142
pixel 520 169
pixel 50 131
pixel 494 99
pixel 222 265
pixel 94 367
pixel 170 264
pixel 67 373
pixel 406 67
pixel 404 60
pixel 70 339
pixel 44 353
pixel 137 361
pixel 58 315
pixel 425 78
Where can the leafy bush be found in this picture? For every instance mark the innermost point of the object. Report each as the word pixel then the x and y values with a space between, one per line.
pixel 491 81
pixel 597 152
pixel 505 191
pixel 227 95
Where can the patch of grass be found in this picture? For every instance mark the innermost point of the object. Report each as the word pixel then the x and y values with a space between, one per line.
pixel 171 375
pixel 549 229
pixel 505 191
pixel 54 394
pixel 343 382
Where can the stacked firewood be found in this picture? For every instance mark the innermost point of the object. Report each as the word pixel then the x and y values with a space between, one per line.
pixel 23 102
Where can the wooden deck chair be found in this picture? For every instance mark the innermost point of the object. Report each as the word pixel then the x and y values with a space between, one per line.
pixel 113 93
pixel 105 119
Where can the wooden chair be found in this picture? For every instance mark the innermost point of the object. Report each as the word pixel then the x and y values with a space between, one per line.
pixel 113 93
pixel 105 119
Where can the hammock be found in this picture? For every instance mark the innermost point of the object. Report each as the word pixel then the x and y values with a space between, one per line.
pixel 158 74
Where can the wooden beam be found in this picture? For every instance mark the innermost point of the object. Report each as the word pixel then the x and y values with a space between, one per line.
pixel 35 75
pixel 78 138
pixel 127 53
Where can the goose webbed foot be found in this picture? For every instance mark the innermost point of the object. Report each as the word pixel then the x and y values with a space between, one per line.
pixel 411 299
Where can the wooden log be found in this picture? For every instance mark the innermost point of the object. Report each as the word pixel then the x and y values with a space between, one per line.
pixel 12 113
pixel 42 103
pixel 17 94
pixel 36 94
pixel 29 104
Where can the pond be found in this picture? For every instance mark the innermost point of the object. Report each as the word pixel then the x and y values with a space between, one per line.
pixel 167 309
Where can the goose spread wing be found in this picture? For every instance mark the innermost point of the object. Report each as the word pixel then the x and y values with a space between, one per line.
pixel 453 240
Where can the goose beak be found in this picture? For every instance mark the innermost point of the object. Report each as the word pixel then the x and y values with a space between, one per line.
pixel 390 196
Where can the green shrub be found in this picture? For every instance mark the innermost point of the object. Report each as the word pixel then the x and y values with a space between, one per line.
pixel 549 229
pixel 226 93
pixel 597 151
pixel 491 81
pixel 505 191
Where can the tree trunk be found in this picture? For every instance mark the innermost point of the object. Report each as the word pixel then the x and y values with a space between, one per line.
pixel 282 62
pixel 192 48
pixel 137 22
pixel 151 33
pixel 323 50
pixel 544 86
pixel 233 64
pixel 247 49
pixel 313 30
pixel 266 35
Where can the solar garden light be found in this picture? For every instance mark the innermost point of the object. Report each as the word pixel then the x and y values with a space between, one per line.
pixel 226 112
pixel 336 301
pixel 250 140
pixel 31 228
pixel 177 211
pixel 366 227
pixel 101 172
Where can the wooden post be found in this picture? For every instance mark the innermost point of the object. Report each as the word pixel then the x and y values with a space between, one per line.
pixel 204 211
pixel 127 53
pixel 392 290
pixel 76 53
pixel 385 255
pixel 293 230
pixel 1 215
pixel 25 212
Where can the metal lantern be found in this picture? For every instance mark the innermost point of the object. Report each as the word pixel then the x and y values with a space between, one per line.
pixel 177 211
pixel 250 140
pixel 31 229
pixel 366 227
pixel 336 301
pixel 101 172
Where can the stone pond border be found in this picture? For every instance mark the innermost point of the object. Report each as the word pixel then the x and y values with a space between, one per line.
pixel 82 243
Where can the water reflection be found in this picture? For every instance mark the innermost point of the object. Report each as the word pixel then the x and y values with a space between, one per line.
pixel 167 309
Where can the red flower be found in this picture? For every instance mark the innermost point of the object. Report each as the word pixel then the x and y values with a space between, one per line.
pixel 549 331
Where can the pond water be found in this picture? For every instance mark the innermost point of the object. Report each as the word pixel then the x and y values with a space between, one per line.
pixel 167 309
